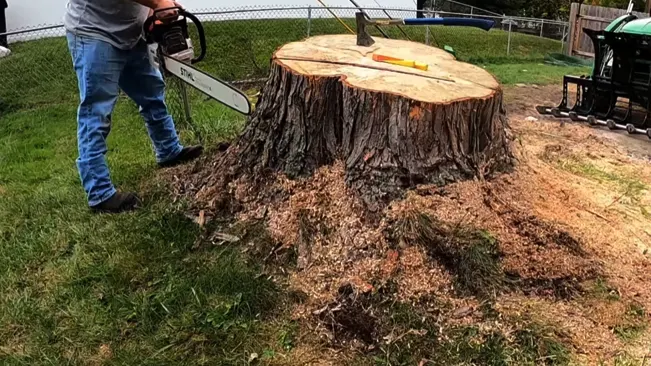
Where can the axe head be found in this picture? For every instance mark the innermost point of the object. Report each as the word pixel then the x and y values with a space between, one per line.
pixel 363 38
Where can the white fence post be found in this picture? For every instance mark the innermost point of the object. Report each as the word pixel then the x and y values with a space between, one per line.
pixel 309 20
pixel 187 110
pixel 428 14
pixel 427 35
pixel 508 46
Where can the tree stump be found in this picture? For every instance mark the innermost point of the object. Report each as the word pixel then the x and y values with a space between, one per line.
pixel 394 127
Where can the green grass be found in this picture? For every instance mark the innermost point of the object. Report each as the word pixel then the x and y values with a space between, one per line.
pixel 532 344
pixel 632 185
pixel 601 289
pixel 624 182
pixel 634 323
pixel 471 255
pixel 533 73
pixel 629 332
pixel 627 184
pixel 421 331
pixel 37 73
pixel 141 288
pixel 135 283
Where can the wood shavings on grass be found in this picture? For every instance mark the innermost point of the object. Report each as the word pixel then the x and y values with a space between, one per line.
pixel 559 229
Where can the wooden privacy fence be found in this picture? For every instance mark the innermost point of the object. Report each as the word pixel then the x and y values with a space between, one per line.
pixel 591 17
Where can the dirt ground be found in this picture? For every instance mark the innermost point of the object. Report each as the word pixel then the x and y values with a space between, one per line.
pixel 595 200
pixel 572 222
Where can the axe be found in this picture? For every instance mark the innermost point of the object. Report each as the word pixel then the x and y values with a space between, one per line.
pixel 365 39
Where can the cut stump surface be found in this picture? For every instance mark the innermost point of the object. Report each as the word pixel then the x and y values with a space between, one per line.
pixel 394 127
pixel 445 81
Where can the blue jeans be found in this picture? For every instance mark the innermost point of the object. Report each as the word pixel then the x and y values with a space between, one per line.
pixel 102 70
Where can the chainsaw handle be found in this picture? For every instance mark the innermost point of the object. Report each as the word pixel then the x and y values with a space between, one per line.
pixel 151 22
pixel 200 31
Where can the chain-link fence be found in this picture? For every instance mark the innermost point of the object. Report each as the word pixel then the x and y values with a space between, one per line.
pixel 449 6
pixel 37 71
pixel 241 44
pixel 242 41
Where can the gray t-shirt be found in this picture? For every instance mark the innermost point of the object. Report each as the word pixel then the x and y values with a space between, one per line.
pixel 118 22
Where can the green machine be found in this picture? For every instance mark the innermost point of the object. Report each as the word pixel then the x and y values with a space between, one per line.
pixel 618 93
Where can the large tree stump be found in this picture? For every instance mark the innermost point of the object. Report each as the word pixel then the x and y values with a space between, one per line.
pixel 393 126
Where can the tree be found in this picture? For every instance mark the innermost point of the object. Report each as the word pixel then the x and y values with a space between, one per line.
pixel 548 9
pixel 620 4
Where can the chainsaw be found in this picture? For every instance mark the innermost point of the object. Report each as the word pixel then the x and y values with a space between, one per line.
pixel 171 50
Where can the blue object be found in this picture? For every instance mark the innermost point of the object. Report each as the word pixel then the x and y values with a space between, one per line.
pixel 462 22
pixel 102 70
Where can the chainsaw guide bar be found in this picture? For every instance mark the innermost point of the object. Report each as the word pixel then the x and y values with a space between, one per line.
pixel 171 51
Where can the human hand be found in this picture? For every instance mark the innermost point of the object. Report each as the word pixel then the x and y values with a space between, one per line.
pixel 166 15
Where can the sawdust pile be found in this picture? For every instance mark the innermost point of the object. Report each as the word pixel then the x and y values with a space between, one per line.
pixel 338 243
pixel 556 231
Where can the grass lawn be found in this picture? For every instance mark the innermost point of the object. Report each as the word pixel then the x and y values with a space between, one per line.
pixel 141 288
pixel 533 73
pixel 78 287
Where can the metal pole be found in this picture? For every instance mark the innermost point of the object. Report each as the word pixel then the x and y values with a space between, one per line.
pixel 563 35
pixel 309 20
pixel 472 11
pixel 186 101
pixel 508 46
pixel 542 26
pixel 427 30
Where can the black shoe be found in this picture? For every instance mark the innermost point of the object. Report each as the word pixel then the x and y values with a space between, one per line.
pixel 119 202
pixel 187 154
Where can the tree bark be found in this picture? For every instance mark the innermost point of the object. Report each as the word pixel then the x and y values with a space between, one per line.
pixel 394 127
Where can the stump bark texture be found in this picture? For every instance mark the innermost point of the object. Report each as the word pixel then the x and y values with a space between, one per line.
pixel 394 127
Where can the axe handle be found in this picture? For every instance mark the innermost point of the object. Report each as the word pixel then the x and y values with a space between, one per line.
pixel 386 22
pixel 361 10
pixel 391 18
pixel 463 22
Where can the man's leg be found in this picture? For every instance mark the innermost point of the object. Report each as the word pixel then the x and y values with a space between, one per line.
pixel 98 66
pixel 144 84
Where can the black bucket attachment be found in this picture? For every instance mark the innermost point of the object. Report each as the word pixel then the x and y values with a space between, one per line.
pixel 618 94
